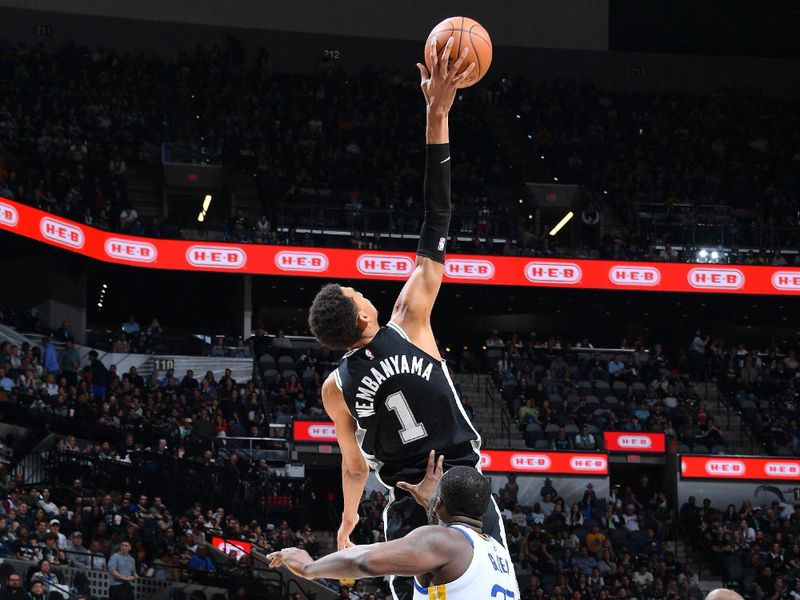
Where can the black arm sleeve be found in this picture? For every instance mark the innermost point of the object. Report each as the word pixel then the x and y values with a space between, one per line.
pixel 435 227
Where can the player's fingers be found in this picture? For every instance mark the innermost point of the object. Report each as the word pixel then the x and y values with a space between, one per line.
pixel 459 60
pixel 439 467
pixel 434 58
pixel 404 486
pixel 431 462
pixel 465 74
pixel 423 71
pixel 446 56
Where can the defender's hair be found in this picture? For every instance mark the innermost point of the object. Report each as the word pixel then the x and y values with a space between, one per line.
pixel 465 492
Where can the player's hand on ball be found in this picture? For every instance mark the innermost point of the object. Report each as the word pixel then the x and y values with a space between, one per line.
pixel 424 490
pixel 293 559
pixel 345 529
pixel 440 84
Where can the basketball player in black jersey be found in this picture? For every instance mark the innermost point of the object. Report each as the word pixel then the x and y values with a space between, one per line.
pixel 391 398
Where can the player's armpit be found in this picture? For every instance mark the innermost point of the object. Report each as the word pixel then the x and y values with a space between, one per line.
pixel 416 299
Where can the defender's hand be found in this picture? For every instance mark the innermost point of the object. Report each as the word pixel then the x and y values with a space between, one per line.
pixel 345 529
pixel 294 559
pixel 440 85
pixel 424 490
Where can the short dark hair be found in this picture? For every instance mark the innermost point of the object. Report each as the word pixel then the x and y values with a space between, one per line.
pixel 333 318
pixel 465 492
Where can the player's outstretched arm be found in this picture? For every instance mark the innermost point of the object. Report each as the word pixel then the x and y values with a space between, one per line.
pixel 354 468
pixel 424 550
pixel 414 305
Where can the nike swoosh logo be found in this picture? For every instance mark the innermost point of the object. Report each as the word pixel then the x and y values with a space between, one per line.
pixel 444 161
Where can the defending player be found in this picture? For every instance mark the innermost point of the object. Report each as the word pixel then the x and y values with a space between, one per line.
pixel 391 398
pixel 453 559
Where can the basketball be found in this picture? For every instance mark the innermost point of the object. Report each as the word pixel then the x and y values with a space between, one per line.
pixel 467 33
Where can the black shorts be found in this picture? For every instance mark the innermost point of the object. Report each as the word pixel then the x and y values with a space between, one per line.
pixel 404 515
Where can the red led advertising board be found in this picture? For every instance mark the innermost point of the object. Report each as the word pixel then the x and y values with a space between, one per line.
pixel 314 431
pixel 739 467
pixel 503 461
pixel 227 546
pixel 356 264
pixel 634 443
pixel 567 463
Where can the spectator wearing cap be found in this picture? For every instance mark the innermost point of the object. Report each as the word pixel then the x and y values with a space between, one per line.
pixel 77 554
pixel 55 529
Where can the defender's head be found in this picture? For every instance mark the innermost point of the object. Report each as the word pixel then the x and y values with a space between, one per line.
pixel 340 315
pixel 462 492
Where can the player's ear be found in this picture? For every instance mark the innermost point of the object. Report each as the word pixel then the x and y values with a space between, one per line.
pixel 362 320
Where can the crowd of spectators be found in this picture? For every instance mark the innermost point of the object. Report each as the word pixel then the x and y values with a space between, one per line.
pixel 69 123
pixel 620 546
pixel 666 162
pixel 763 386
pixel 83 526
pixel 315 146
pixel 756 549
pixel 563 396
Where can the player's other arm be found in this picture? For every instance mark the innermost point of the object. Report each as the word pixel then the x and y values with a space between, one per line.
pixel 354 468
pixel 424 550
pixel 414 305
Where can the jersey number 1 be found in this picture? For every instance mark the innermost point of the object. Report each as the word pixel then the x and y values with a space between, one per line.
pixel 411 430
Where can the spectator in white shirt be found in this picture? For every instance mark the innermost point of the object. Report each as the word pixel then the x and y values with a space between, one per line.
pixel 48 506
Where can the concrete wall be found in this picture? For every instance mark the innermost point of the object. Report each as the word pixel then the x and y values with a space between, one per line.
pixel 59 295
pixel 535 23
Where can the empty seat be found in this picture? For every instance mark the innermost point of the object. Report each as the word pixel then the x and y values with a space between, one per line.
pixel 585 387
pixel 684 449
pixel 700 449
pixel 285 362
pixel 784 451
pixel 718 449
pixel 611 400
pixel 592 400
pixel 542 445
pixel 620 389
pixel 288 373
pixel 601 385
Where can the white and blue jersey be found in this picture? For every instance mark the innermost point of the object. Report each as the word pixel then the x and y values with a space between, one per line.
pixel 490 575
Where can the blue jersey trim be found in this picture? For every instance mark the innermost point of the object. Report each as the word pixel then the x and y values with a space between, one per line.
pixel 419 588
pixel 464 533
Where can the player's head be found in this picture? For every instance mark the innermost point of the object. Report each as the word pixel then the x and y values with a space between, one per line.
pixel 723 594
pixel 462 492
pixel 339 315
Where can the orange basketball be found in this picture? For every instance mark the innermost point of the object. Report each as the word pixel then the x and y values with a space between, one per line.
pixel 468 33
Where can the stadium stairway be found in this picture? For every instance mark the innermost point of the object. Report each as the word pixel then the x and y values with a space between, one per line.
pixel 486 418
pixel 729 421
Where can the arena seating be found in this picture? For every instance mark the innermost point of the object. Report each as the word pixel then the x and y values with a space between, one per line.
pixel 553 390
pixel 314 150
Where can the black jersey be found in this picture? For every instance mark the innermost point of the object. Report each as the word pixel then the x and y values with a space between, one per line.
pixel 405 405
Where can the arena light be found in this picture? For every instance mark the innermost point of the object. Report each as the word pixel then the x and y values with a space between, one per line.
pixel 561 223
pixel 206 205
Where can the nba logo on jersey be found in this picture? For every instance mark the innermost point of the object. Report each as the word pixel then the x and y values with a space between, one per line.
pixel 369 354
pixel 440 247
